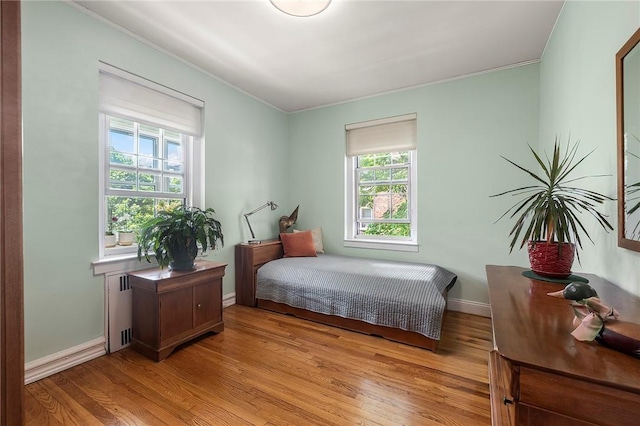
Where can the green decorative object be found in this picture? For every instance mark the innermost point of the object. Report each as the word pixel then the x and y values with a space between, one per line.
pixel 173 236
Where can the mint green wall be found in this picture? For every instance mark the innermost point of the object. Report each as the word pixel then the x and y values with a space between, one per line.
pixel 463 128
pixel 245 161
pixel 577 96
pixel 255 153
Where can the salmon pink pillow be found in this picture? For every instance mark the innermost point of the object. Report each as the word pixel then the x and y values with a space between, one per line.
pixel 299 244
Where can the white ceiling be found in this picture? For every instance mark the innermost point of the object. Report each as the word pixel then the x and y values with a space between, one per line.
pixel 354 49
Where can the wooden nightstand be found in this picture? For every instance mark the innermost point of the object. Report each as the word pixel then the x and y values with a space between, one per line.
pixel 170 308
pixel 249 257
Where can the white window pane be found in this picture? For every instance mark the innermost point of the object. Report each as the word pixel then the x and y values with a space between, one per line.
pixel 149 182
pixel 399 206
pixel 121 142
pixel 366 213
pixel 148 146
pixel 382 189
pixel 399 157
pixel 365 202
pixel 383 175
pixel 172 135
pixel 118 158
pixel 173 151
pixel 120 124
pixel 122 180
pixel 121 137
pixel 149 131
pixel 173 184
pixel 366 175
pixel 148 163
pixel 173 166
pixel 366 190
pixel 400 174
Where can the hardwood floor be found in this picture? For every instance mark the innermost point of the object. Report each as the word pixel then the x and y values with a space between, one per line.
pixel 273 369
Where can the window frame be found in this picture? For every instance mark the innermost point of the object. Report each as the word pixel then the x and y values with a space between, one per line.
pixel 352 239
pixel 160 172
pixel 193 185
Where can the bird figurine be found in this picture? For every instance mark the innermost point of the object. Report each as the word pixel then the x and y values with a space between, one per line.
pixel 287 222
pixel 591 314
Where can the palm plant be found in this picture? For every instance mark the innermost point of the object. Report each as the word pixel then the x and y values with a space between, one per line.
pixel 549 209
pixel 173 236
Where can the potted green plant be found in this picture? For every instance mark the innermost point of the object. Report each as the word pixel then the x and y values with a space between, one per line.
pixel 126 236
pixel 548 212
pixel 173 236
pixel 109 236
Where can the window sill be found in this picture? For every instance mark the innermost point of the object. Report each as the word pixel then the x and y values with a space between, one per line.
pixel 120 251
pixel 120 263
pixel 382 245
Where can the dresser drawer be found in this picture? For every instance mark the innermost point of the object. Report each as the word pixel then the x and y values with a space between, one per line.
pixel 534 416
pixel 579 399
pixel 266 253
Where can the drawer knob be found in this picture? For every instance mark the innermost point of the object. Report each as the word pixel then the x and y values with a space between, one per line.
pixel 506 400
pixel 199 305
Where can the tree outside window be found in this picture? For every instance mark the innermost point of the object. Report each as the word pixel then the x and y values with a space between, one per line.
pixel 146 173
pixel 382 181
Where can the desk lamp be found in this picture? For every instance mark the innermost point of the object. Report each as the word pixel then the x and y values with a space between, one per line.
pixel 246 217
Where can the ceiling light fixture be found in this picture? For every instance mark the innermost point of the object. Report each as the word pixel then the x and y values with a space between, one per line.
pixel 301 7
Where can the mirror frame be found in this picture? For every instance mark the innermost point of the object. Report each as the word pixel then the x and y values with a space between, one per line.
pixel 628 46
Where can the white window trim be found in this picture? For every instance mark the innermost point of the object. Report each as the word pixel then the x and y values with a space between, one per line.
pixel 351 239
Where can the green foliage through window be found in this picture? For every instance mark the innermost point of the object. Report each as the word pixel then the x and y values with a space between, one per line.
pixel 146 173
pixel 131 212
pixel 383 187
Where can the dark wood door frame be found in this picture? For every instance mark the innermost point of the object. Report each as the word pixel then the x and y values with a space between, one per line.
pixel 11 258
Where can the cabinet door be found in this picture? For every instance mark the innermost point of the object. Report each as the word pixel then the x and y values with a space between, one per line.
pixel 176 312
pixel 207 303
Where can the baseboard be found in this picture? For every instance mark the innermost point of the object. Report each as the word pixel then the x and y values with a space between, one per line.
pixel 469 307
pixel 54 363
pixel 228 300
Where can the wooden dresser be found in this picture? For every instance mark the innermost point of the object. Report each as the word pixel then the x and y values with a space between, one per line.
pixel 173 307
pixel 539 374
pixel 249 257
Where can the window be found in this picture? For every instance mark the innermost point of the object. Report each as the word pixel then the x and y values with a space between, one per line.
pixel 146 172
pixel 381 184
pixel 149 140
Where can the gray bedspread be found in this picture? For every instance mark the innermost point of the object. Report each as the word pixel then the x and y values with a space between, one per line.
pixel 394 294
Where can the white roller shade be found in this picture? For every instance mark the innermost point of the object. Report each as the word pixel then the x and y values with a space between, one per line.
pixel 386 135
pixel 149 103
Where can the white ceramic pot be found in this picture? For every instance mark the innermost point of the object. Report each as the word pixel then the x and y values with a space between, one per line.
pixel 110 240
pixel 126 238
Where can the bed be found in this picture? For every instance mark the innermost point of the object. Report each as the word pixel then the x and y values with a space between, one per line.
pixel 399 301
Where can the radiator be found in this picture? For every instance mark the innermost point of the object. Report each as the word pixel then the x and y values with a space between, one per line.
pixel 119 329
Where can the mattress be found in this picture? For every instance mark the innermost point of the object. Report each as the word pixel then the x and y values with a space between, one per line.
pixel 402 295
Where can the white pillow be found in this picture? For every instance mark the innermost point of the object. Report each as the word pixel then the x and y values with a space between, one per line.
pixel 316 233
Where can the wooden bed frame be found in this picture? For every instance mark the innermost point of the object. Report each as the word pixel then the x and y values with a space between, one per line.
pixel 249 258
